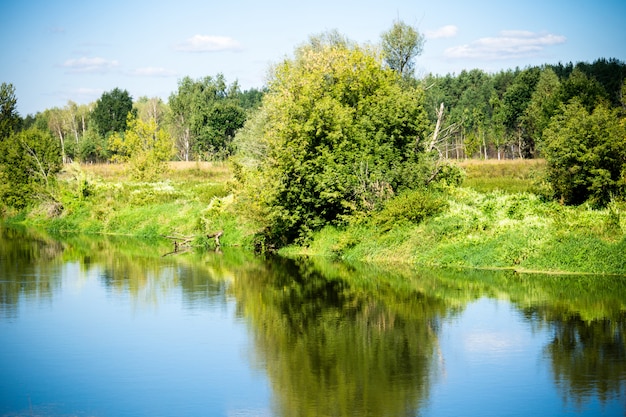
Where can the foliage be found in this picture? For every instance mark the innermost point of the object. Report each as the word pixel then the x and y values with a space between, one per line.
pixel 9 118
pixel 144 146
pixel 413 206
pixel 400 45
pixel 205 115
pixel 503 115
pixel 544 103
pixel 340 134
pixel 110 113
pixel 586 154
pixel 490 230
pixel 29 162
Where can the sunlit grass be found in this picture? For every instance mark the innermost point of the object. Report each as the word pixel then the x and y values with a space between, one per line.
pixel 511 176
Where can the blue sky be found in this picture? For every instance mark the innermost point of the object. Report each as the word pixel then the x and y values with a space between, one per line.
pixel 55 51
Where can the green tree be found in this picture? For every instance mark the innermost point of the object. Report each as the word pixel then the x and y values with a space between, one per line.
pixel 544 103
pixel 9 118
pixel 514 102
pixel 341 135
pixel 586 154
pixel 586 90
pixel 400 45
pixel 205 115
pixel 30 161
pixel 111 112
pixel 93 147
pixel 144 146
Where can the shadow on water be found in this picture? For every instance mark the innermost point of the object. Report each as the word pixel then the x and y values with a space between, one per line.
pixel 344 339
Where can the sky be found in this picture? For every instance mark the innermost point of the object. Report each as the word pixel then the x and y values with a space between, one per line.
pixel 56 51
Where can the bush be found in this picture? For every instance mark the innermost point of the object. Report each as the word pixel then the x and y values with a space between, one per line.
pixel 586 155
pixel 29 162
pixel 411 206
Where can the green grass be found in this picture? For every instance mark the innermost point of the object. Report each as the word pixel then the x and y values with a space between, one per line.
pixel 493 230
pixel 191 199
pixel 511 176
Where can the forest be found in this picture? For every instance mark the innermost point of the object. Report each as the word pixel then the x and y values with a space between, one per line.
pixel 339 131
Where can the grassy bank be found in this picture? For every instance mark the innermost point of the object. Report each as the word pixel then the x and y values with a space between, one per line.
pixel 492 221
pixel 493 230
pixel 190 199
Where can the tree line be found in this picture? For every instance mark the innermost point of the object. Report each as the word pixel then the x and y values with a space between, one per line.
pixel 200 118
pixel 504 114
pixel 342 128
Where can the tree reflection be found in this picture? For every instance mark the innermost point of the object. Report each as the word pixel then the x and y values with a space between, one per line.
pixel 27 267
pixel 330 348
pixel 588 357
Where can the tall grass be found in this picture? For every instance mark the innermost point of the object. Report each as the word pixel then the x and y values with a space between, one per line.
pixel 511 176
pixel 489 230
pixel 190 199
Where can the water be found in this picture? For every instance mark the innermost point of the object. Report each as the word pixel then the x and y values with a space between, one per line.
pixel 95 327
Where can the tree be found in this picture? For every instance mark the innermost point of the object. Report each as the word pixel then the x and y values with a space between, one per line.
pixel 586 154
pixel 144 146
pixel 30 161
pixel 586 90
pixel 9 118
pixel 544 103
pixel 401 44
pixel 515 101
pixel 205 115
pixel 341 134
pixel 111 112
pixel 152 108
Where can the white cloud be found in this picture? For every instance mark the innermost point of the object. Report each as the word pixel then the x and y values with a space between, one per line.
pixel 153 72
pixel 509 44
pixel 448 31
pixel 205 43
pixel 89 65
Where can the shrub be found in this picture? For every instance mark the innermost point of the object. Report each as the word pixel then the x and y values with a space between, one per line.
pixel 412 206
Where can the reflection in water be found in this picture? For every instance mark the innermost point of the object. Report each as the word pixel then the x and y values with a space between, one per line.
pixel 333 349
pixel 338 339
pixel 28 265
pixel 589 358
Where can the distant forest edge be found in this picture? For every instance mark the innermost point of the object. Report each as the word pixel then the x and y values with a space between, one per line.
pixel 499 115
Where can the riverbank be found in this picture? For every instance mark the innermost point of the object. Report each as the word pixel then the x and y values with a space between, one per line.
pixel 494 221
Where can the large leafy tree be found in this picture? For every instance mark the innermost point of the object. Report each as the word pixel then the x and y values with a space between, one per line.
pixel 586 154
pixel 585 89
pixel 515 101
pixel 544 103
pixel 339 133
pixel 111 112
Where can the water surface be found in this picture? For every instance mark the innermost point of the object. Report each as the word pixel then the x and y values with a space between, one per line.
pixel 97 327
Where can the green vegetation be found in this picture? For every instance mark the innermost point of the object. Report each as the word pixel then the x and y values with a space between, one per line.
pixel 340 136
pixel 29 162
pixel 348 155
pixel 487 230
pixel 509 176
pixel 146 147
pixel 191 199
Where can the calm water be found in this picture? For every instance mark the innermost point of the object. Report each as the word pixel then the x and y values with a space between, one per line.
pixel 93 327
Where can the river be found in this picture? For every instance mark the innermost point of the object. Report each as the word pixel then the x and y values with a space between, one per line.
pixel 108 327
